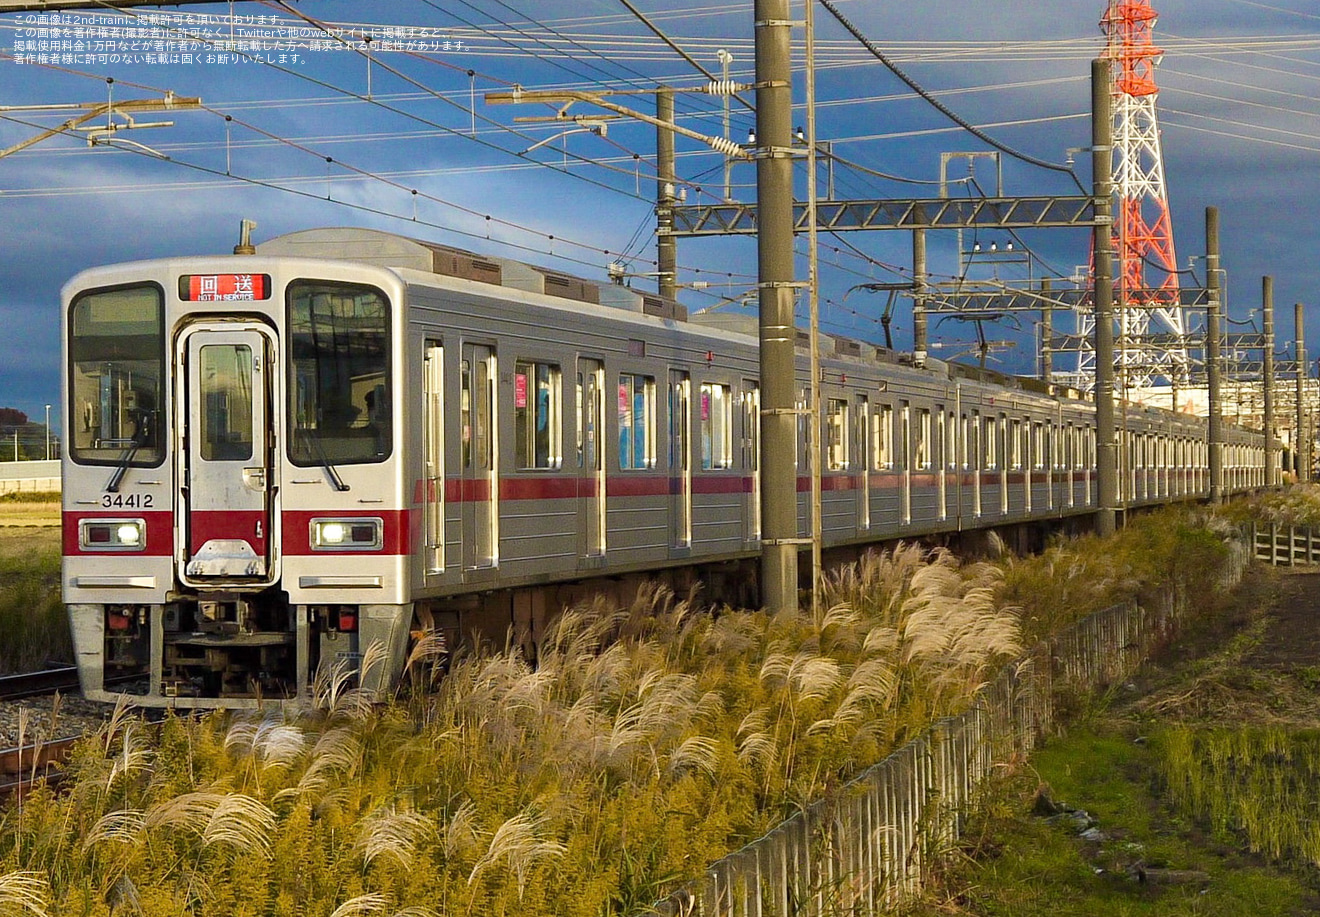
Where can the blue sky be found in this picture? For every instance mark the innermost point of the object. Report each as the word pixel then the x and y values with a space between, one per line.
pixel 1239 113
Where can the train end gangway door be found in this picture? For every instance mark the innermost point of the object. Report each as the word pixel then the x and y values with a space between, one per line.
pixel 228 437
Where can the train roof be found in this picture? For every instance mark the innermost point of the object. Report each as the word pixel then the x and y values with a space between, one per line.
pixel 386 249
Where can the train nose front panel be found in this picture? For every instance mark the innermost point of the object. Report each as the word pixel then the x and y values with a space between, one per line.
pixel 226 492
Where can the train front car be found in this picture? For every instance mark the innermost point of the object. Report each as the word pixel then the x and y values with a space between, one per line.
pixel 233 513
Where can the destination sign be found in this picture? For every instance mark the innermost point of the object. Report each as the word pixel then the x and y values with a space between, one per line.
pixel 224 287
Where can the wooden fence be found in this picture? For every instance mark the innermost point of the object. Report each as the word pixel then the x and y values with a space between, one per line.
pixel 869 846
pixel 1284 545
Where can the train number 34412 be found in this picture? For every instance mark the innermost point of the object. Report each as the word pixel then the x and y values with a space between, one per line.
pixel 139 501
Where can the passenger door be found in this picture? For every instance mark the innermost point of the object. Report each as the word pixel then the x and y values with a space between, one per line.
pixel 751 461
pixel 680 457
pixel 591 459
pixel 479 472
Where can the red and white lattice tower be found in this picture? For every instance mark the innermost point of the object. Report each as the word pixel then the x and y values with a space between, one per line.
pixel 1145 268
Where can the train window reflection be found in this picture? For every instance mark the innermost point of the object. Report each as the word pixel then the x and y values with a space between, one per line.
pixel 882 438
pixel 836 433
pixel 116 364
pixel 339 382
pixel 636 422
pixel 226 395
pixel 537 415
pixel 716 426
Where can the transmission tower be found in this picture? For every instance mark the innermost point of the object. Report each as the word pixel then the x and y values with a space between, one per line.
pixel 1145 270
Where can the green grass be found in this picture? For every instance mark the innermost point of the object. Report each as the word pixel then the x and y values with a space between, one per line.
pixel 1023 865
pixel 32 616
pixel 1247 784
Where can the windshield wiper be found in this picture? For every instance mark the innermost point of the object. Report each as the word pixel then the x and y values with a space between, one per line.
pixel 140 436
pixel 324 460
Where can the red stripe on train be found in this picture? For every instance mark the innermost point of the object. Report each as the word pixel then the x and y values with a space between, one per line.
pixel 296 528
pixel 160 533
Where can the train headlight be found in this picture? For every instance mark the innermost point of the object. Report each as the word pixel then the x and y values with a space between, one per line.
pixel 347 534
pixel 130 536
pixel 112 534
pixel 331 533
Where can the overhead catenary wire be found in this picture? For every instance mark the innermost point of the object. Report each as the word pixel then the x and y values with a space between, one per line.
pixel 414 117
pixel 612 59
pixel 678 50
pixel 940 106
pixel 321 156
pixel 413 219
pixel 366 174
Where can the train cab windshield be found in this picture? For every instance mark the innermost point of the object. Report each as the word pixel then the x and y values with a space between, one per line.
pixel 116 364
pixel 339 385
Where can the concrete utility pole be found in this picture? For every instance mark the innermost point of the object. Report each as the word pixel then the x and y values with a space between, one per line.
pixel 1267 376
pixel 919 280
pixel 665 196
pixel 1213 338
pixel 1301 449
pixel 1102 177
pixel 778 335
pixel 1046 333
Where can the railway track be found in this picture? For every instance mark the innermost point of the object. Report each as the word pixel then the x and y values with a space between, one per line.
pixel 22 767
pixel 34 684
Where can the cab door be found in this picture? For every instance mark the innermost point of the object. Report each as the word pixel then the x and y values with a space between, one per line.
pixel 226 487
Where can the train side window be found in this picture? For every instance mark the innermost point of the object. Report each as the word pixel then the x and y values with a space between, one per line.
pixel 836 435
pixel 991 443
pixel 1038 447
pixel 537 415
pixel 882 438
pixel 116 368
pixel 636 422
pixel 921 457
pixel 751 431
pixel 805 441
pixel 905 438
pixel 716 426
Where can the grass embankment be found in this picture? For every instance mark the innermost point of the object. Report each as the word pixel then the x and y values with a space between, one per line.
pixel 1200 776
pixel 33 623
pixel 1071 579
pixel 644 744
pixel 29 509
pixel 1297 505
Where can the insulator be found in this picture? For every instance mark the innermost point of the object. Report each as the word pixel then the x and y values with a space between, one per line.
pixel 722 87
pixel 726 146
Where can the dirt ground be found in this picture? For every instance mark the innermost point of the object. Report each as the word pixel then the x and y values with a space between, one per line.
pixel 1292 637
pixel 1255 660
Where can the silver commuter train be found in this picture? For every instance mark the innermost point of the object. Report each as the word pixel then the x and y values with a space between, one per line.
pixel 275 461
